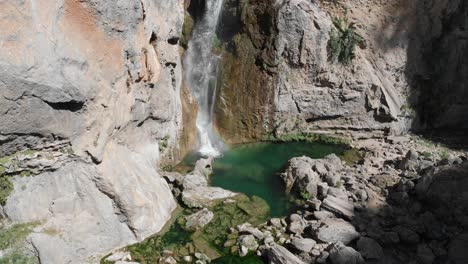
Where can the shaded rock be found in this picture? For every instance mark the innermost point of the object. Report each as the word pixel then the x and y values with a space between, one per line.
pixel 407 235
pixel 280 255
pixel 369 248
pixel 336 230
pixel 199 219
pixel 339 206
pixel 458 252
pixel 424 254
pixel 341 254
pixel 205 196
pixel 303 244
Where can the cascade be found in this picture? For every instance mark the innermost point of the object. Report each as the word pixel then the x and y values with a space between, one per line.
pixel 200 65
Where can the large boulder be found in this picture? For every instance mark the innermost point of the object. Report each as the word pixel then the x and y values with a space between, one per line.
pixel 341 254
pixel 336 230
pixel 205 196
pixel 198 220
pixel 280 255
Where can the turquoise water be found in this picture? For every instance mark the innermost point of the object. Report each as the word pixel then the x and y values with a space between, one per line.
pixel 254 169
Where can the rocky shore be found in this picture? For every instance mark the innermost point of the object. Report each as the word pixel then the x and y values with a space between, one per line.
pixel 404 202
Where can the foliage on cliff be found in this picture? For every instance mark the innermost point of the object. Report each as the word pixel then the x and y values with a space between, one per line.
pixel 343 41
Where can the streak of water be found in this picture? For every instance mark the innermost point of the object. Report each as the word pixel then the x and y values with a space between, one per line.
pixel 201 73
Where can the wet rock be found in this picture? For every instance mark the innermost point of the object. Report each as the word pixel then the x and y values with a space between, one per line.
pixel 341 254
pixel 369 248
pixel 280 255
pixel 339 206
pixel 336 230
pixel 303 244
pixel 199 219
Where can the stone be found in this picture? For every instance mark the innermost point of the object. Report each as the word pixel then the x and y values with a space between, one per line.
pixel 296 224
pixel 424 254
pixel 314 204
pixel 323 257
pixel 194 180
pixel 249 229
pixel 205 196
pixel 336 230
pixel 341 254
pixel 369 248
pixel 247 243
pixel 339 206
pixel 320 215
pixel 407 235
pixel 198 220
pixel 303 244
pixel 457 249
pixel 277 254
pixel 276 222
pixel 120 255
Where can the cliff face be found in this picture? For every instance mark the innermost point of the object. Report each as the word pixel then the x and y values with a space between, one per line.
pixel 90 104
pixel 307 91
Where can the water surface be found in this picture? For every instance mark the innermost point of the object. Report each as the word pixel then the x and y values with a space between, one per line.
pixel 253 169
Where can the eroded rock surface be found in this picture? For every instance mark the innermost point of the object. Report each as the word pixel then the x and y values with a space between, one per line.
pixel 102 79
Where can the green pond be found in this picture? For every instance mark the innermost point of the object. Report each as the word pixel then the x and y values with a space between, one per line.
pixel 253 169
pixel 250 169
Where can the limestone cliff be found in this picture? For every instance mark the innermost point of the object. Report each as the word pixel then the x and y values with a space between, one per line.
pixel 90 104
pixel 289 60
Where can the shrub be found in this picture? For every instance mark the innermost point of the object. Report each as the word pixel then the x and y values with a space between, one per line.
pixel 5 189
pixel 343 41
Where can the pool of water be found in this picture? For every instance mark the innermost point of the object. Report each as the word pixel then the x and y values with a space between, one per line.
pixel 253 169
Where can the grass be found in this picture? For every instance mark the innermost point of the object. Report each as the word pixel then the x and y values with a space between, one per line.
pixel 14 235
pixel 6 187
pixel 343 41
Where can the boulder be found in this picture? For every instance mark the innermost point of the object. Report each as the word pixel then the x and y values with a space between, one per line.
pixel 247 243
pixel 369 248
pixel 249 229
pixel 205 196
pixel 336 230
pixel 341 254
pixel 339 206
pixel 280 255
pixel 296 224
pixel 199 219
pixel 458 252
pixel 303 244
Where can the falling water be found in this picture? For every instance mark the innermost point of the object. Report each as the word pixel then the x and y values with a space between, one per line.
pixel 201 74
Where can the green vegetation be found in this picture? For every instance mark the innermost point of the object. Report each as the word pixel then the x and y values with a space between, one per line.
pixel 343 41
pixel 444 154
pixel 164 143
pixel 351 156
pixel 308 137
pixel 13 238
pixel 427 155
pixel 6 187
pixel 217 43
pixel 210 239
pixel 186 30
pixel 305 195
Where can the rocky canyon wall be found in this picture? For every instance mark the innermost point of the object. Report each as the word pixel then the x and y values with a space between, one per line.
pixel 90 105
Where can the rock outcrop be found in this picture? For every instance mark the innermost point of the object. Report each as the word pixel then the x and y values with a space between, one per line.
pixel 100 83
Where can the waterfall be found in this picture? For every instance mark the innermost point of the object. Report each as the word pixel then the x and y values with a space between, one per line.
pixel 200 65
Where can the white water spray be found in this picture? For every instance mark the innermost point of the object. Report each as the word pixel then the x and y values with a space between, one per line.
pixel 201 75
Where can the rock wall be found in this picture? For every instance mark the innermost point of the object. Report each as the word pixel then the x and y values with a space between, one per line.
pixel 283 50
pixel 96 86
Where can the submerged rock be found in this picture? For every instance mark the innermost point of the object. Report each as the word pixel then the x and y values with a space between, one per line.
pixel 199 219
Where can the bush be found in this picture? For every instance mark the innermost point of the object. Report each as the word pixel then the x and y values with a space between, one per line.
pixel 5 189
pixel 343 41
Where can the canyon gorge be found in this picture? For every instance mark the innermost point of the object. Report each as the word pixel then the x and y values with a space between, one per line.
pixel 234 131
